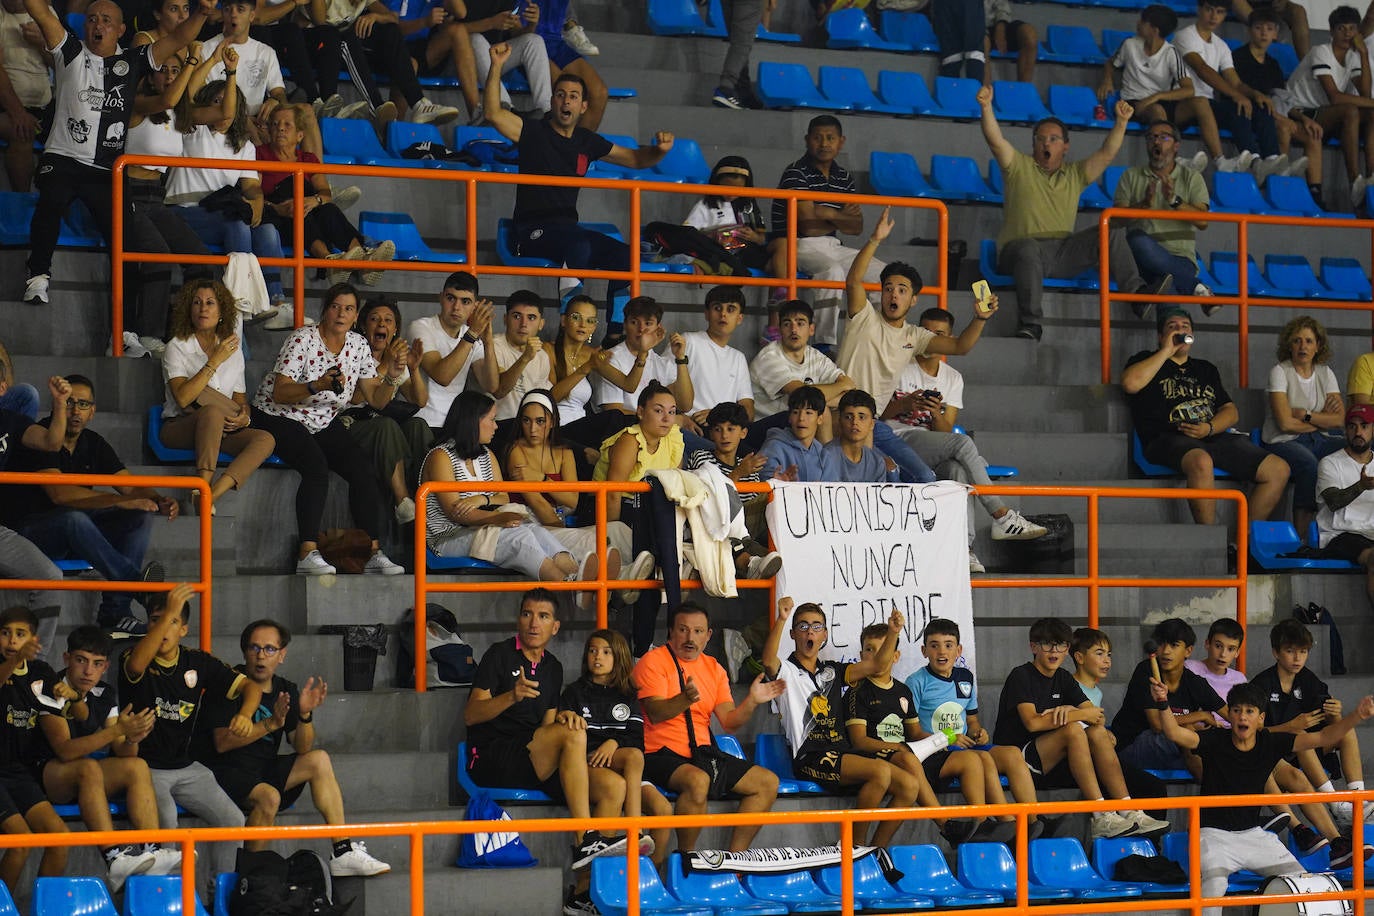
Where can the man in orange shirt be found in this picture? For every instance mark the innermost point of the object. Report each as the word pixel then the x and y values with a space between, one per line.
pixel 679 688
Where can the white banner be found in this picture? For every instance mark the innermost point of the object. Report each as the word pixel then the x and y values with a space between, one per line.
pixel 861 549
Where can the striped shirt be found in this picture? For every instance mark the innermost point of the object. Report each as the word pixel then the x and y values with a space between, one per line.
pixel 437 524
pixel 803 176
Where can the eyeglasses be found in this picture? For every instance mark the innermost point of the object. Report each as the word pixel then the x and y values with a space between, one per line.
pixel 1054 646
pixel 82 404
pixel 269 651
pixel 809 627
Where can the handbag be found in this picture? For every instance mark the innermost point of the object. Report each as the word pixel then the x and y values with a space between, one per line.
pixel 706 757
pixel 229 201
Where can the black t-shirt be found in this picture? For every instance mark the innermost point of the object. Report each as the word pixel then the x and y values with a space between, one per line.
pixel 1307 695
pixel 1262 76
pixel 544 151
pixel 101 706
pixel 176 692
pixel 24 698
pixel 252 758
pixel 1227 770
pixel 883 711
pixel 1193 693
pixel 610 714
pixel 12 428
pixel 1026 684
pixel 1188 393
pixel 92 455
pixel 496 673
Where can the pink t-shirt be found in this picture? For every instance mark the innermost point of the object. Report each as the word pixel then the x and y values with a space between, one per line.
pixel 1221 683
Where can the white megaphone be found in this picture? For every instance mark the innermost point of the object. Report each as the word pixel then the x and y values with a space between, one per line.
pixel 930 744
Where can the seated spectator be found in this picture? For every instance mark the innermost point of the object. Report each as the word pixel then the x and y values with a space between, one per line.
pixel 1306 412
pixel 718 371
pixel 1183 416
pixel 217 128
pixel 788 363
pixel 328 233
pixel 1154 79
pixel 28 92
pixel 320 370
pixel 635 358
pixel 1262 73
pixel 110 531
pixel 311 53
pixel 456 343
pixel 1294 15
pixel 565 144
pixel 1091 651
pixel 250 766
pixel 923 411
pixel 568 47
pixel 736 221
pixel 207 400
pixel 1037 238
pixel 1062 735
pixel 510 539
pixel 726 426
pixel 490 22
pixel 575 361
pixel 1328 88
pixel 94 724
pixel 396 439
pixel 261 85
pixel 652 443
pixel 1222 646
pixel 434 41
pixel 853 458
pixel 680 689
pixel 794 453
pixel 1345 518
pixel 16 396
pixel 518 738
pixel 1007 34
pixel 1165 248
pixel 521 358
pixel 1359 382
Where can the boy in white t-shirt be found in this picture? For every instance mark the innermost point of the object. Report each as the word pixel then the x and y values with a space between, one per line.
pixel 787 364
pixel 259 75
pixel 719 372
pixel 1153 76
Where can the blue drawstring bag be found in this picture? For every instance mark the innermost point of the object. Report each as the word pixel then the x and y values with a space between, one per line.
pixel 492 850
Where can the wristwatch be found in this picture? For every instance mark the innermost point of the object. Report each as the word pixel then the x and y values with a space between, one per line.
pixel 1307 417
pixel 1176 202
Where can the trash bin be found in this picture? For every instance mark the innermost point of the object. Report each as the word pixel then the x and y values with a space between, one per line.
pixel 362 643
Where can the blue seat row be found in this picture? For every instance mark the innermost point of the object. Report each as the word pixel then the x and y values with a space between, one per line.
pixel 683 17
pixel 144 895
pixel 1270 541
pixel 1283 195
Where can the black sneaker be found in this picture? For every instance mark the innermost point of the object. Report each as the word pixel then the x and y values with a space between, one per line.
pixel 995 831
pixel 1279 822
pixel 1307 840
pixel 579 905
pixel 1035 829
pixel 153 571
pixel 594 844
pixel 1029 332
pixel 1343 852
pixel 959 830
pixel 891 872
pixel 728 98
pixel 123 627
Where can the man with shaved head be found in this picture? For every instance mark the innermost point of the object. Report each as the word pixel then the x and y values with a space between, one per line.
pixel 93 100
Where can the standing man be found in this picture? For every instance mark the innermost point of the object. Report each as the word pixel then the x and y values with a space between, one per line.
pixel 546 218
pixel 1183 415
pixel 1041 203
pixel 456 341
pixel 95 87
pixel 1345 518
pixel 742 18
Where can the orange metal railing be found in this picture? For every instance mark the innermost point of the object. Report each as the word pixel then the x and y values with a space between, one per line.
pixel 201 585
pixel 300 259
pixel 1094 581
pixel 1243 299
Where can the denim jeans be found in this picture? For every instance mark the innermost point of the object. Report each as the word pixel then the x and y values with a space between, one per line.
pixel 1302 455
pixel 1154 262
pixel 231 234
pixel 574 246
pixel 112 540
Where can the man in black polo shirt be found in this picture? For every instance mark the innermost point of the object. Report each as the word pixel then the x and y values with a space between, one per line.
pixel 251 769
pixel 819 252
pixel 108 530
pixel 546 218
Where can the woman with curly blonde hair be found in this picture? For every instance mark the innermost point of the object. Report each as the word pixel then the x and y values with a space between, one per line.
pixel 207 401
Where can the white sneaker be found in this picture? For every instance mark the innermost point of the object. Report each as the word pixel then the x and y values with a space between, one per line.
pixel 1148 826
pixel 36 289
pixel 1015 527
pixel 341 274
pixel 427 112
pixel 165 861
pixel 379 565
pixel 764 567
pixel 1199 161
pixel 576 38
pixel 1297 166
pixel 313 564
pixel 347 197
pixel 329 108
pixel 133 349
pixel 129 860
pixel 356 863
pixel 1343 814
pixel 1237 163
pixel 1357 189
pixel 1269 165
pixel 405 511
pixel 354 110
pixel 386 251
pixel 1112 825
pixel 641 568
pixel 975 565
pixel 155 346
pixel 383 115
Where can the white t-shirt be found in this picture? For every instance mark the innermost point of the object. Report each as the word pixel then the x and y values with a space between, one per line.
pixel 186 186
pixel 535 375
pixel 24 64
pixel 184 358
pixel 1304 89
pixel 304 358
pixel 434 338
pixel 772 370
pixel 1307 393
pixel 657 366
pixel 947 380
pixel 719 374
pixel 1215 54
pixel 148 138
pixel 258 71
pixel 1144 75
pixel 705 216
pixel 874 353
pixel 1340 470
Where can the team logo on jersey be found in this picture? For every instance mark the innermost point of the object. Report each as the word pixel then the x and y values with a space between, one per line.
pixel 620 712
pixel 820 706
pixel 93 97
pixel 536 234
pixel 1297 693
pixel 825 677
pixel 190 677
pixel 905 704
pixel 120 68
pixel 965 688
pixel 114 136
pixel 79 130
pixel 517 672
pixel 21 718
pixel 4 443
pixel 114 99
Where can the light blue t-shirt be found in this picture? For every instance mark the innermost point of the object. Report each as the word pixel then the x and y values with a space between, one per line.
pixel 944 703
pixel 1094 694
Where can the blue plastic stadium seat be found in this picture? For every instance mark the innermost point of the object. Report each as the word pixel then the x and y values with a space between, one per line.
pixel 872 893
pixel 400 228
pixel 1346 278
pixel 506 796
pixel 783 38
pixel 1289 194
pixel 167 454
pixel 926 874
pixel 679 17
pixel 603 168
pixel 1071 44
pixel 1061 862
pixel 349 140
pixel 847 88
pixel 1175 846
pixel 436 563
pixel 155 895
pixel 16 215
pixel 1286 55
pixel 1236 192
pixel 910 30
pixel 464 137
pixel 994 470
pixel 719 890
pixel 1094 197
pixel 1226 271
pixel 850 28
pixel 1107 852
pixel 958 96
pixel 1074 105
pixel 1150 469
pixel 1290 274
pixel 72 566
pixel 1111 177
pixel 1112 39
pixel 684 162
pixel 71 897
pixel 987 264
pixel 225 882
pixel 1017 102
pixel 787 86
pixel 402 134
pixel 1269 541
pixel 7 907
pixel 907 91
pixel 989 867
pixel 797 889
pixel 608 890
pixel 730 745
pixel 1171 776
pixel 897 175
pixel 771 753
pixel 958 178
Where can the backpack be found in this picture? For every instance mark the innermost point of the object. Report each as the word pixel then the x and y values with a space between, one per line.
pixel 451 662
pixel 270 885
pixel 490 151
pixel 491 850
pixel 672 238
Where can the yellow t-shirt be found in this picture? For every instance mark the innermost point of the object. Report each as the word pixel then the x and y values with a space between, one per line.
pixel 1040 204
pixel 669 454
pixel 1361 378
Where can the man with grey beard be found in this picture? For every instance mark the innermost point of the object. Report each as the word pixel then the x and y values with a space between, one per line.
pixel 1346 515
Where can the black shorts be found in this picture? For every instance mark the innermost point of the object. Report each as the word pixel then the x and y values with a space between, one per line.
pixel 1169 108
pixel 1347 546
pixel 1232 453
pixel 660 766
pixel 934 764
pixel 21 788
pixel 239 783
pixel 418 49
pixel 1058 777
pixel 505 764
pixel 824 766
pixel 1013 27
